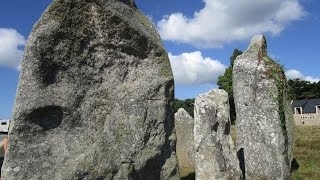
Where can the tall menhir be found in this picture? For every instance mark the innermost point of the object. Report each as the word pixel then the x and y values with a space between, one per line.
pixel 264 117
pixel 95 97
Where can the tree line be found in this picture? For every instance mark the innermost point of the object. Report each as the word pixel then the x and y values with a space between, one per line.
pixel 298 89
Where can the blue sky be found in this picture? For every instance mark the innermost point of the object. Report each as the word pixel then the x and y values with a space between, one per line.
pixel 199 36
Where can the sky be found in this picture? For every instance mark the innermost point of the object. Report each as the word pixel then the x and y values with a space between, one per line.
pixel 199 36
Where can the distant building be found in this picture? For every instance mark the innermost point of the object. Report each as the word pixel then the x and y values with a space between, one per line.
pixel 4 125
pixel 306 112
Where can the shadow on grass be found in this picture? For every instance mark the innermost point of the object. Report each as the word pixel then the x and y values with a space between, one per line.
pixel 294 165
pixel 190 176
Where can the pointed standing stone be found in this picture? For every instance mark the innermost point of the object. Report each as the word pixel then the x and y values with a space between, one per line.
pixel 215 157
pixel 95 97
pixel 264 124
pixel 185 143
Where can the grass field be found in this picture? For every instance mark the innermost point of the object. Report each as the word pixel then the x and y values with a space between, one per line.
pixel 307 152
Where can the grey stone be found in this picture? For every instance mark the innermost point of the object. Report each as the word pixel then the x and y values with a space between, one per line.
pixel 95 97
pixel 264 120
pixel 215 155
pixel 185 143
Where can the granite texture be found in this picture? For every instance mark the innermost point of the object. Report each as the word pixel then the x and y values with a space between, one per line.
pixel 95 97
pixel 264 118
pixel 215 155
pixel 185 143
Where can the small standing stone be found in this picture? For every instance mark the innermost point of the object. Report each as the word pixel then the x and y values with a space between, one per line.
pixel 215 157
pixel 185 143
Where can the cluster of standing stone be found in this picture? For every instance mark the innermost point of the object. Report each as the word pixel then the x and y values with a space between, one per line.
pixel 264 124
pixel 95 101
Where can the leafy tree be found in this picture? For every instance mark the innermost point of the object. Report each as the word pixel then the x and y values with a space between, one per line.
pixel 225 82
pixel 187 104
pixel 235 54
pixel 300 89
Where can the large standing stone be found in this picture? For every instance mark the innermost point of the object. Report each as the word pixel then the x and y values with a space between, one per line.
pixel 215 156
pixel 185 146
pixel 264 124
pixel 95 97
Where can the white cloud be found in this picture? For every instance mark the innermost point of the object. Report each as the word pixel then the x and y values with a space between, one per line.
pixel 10 54
pixel 295 74
pixel 194 69
pixel 221 21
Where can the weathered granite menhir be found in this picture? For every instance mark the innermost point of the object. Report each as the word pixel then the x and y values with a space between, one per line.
pixel 185 143
pixel 95 97
pixel 264 121
pixel 215 156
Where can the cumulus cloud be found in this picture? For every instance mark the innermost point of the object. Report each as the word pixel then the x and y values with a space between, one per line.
pixel 194 69
pixel 221 21
pixel 10 43
pixel 295 74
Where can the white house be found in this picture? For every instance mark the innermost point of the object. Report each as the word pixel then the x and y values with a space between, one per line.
pixel 307 112
pixel 4 125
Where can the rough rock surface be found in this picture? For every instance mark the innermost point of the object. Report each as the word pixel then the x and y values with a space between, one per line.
pixel 215 156
pixel 264 117
pixel 95 97
pixel 185 143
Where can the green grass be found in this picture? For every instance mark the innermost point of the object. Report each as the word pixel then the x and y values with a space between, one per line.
pixel 307 152
pixel 233 133
pixel 1 150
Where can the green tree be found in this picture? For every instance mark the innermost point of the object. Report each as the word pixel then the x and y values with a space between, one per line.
pixel 225 82
pixel 235 54
pixel 300 89
pixel 187 104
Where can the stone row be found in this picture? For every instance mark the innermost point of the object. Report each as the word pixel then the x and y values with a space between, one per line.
pixel 264 123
